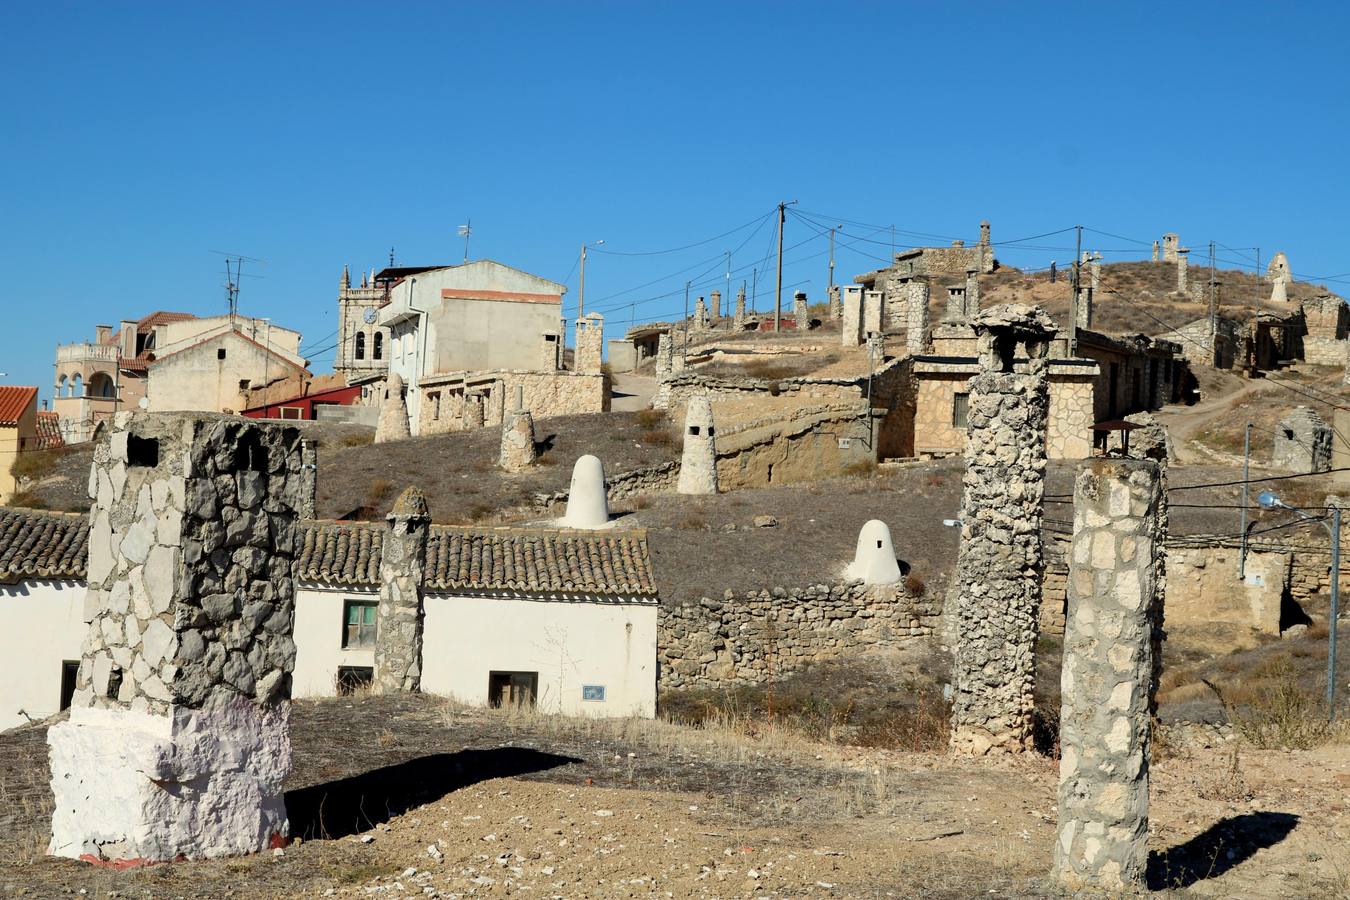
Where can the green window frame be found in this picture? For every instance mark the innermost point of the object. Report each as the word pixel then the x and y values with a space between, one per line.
pixel 358 624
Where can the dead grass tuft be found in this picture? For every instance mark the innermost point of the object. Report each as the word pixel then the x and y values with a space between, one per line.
pixel 656 436
pixel 1271 710
pixel 359 439
pixel 651 418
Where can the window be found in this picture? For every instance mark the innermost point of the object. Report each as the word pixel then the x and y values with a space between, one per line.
pixel 960 410
pixel 243 384
pixel 360 345
pixel 70 670
pixel 436 406
pixel 359 617
pixel 379 346
pixel 512 688
pixel 292 412
pixel 352 678
pixel 220 353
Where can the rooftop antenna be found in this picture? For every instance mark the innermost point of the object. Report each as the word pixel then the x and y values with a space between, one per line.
pixel 391 257
pixel 464 231
pixel 234 264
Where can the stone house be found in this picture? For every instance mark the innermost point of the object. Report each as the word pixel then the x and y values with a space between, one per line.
pixel 564 619
pixel 1136 373
pixel 463 338
pixel 18 432
pixel 214 362
pixel 1325 323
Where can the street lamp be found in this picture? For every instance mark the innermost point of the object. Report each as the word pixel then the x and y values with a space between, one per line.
pixel 581 290
pixel 1269 500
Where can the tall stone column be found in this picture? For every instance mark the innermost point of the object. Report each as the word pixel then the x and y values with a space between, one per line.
pixel 738 317
pixel 517 450
pixel 835 311
pixel 590 340
pixel 872 313
pixel 800 314
pixel 716 297
pixel 972 299
pixel 1182 256
pixel 398 624
pixel 956 304
pixel 918 334
pixel 1083 308
pixel 698 461
pixel 665 368
pixel 393 424
pixel 1107 681
pixel 852 328
pixel 178 737
pixel 999 564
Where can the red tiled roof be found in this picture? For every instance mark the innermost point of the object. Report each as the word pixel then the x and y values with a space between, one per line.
pixel 49 430
pixel 162 317
pixel 14 402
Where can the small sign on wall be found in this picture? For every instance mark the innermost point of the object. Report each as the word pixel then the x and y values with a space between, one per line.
pixel 593 692
pixel 845 443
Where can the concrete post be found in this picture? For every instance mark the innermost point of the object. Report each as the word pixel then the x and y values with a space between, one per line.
pixel 999 563
pixel 393 424
pixel 398 628
pixel 1107 679
pixel 178 736
pixel 852 329
pixel 698 461
pixel 800 314
pixel 918 334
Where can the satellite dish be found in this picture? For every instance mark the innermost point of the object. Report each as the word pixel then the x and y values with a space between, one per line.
pixel 370 315
pixel 143 403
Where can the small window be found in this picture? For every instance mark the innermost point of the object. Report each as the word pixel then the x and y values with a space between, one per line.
pixel 243 384
pixel 292 412
pixel 360 345
pixel 379 346
pixel 220 353
pixel 512 688
pixel 351 679
pixel 960 410
pixel 550 337
pixel 693 430
pixel 70 671
pixel 359 616
pixel 142 452
pixel 436 406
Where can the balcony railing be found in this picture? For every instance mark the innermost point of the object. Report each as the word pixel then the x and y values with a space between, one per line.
pixel 86 353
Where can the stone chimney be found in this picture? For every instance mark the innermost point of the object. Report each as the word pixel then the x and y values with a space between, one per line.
pixel 102 334
pixel 918 334
pixel 874 558
pixel 972 300
pixel 872 313
pixel 738 319
pixel 1083 307
pixel 1182 257
pixel 700 322
pixel 1171 244
pixel 517 447
pixel 127 335
pixel 698 461
pixel 1155 251
pixel 956 304
pixel 589 344
pixel 852 314
pixel 393 423
pixel 834 309
pixel 716 306
pixel 398 631
pixel 587 497
pixel 800 314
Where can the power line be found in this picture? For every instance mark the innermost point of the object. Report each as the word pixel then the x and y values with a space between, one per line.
pixel 717 237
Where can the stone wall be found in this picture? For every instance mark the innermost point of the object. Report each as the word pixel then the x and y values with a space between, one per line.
pixel 750 638
pixel 658 479
pixel 1325 318
pixel 446 399
pixel 1069 430
pixel 1302 442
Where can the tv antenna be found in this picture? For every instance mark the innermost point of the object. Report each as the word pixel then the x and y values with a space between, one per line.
pixel 464 231
pixel 234 264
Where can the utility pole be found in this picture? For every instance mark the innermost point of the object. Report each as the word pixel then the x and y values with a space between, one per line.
pixel 754 289
pixel 1213 293
pixel 778 295
pixel 581 289
pixel 726 297
pixel 831 286
pixel 464 231
pixel 1073 300
pixel 684 350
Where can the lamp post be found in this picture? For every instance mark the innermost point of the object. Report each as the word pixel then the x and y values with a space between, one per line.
pixel 581 289
pixel 1269 500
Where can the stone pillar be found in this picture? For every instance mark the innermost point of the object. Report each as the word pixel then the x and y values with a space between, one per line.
pixel 700 322
pixel 393 424
pixel 665 368
pixel 918 334
pixel 1182 257
pixel 872 313
pixel 852 315
pixel 590 342
pixel 835 311
pixel 1083 308
pixel 738 319
pixel 972 299
pixel 1095 271
pixel 1155 251
pixel 716 306
pixel 178 737
pixel 587 497
pixel 698 462
pixel 999 563
pixel 800 314
pixel 309 479
pixel 473 417
pixel 1171 243
pixel 1107 680
pixel 956 304
pixel 517 447
pixel 398 628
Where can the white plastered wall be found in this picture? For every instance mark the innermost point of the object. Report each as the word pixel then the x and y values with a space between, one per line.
pixel 570 644
pixel 319 625
pixel 44 627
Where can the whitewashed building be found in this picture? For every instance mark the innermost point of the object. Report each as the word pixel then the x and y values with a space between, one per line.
pixel 564 620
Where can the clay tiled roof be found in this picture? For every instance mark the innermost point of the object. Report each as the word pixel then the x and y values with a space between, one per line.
pixel 14 402
pixel 35 544
pixel 517 560
pixel 161 317
pixel 49 431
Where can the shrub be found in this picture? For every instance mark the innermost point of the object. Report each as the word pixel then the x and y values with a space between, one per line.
pixel 359 438
pixel 915 585
pixel 380 489
pixel 27 500
pixel 34 465
pixel 650 418
pixel 1276 712
pixel 863 468
pixel 655 437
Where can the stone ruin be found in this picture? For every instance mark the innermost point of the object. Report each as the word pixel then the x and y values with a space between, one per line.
pixel 698 460
pixel 801 315
pixel 518 450
pixel 1109 678
pixel 1302 443
pixel 178 736
pixel 398 640
pixel 999 563
pixel 587 499
pixel 393 424
pixel 874 557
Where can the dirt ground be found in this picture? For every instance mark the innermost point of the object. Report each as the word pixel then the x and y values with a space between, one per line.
pixel 438 801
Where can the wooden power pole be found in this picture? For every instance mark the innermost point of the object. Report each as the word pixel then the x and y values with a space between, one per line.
pixel 778 291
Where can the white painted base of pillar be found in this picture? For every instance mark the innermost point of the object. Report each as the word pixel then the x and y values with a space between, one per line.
pixel 133 788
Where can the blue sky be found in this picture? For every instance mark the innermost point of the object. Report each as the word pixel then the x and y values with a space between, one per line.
pixel 139 138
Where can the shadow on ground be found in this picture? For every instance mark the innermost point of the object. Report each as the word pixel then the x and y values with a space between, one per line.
pixel 340 808
pixel 1224 845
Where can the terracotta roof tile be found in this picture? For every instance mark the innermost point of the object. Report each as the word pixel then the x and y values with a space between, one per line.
pixel 14 401
pixel 37 544
pixel 49 431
